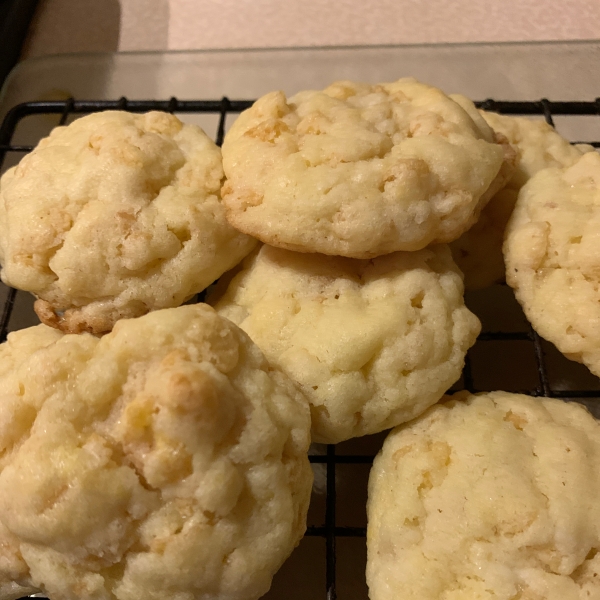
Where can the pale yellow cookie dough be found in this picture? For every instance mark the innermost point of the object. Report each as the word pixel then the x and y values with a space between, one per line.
pixel 552 255
pixel 489 497
pixel 478 252
pixel 167 459
pixel 113 216
pixel 359 170
pixel 373 343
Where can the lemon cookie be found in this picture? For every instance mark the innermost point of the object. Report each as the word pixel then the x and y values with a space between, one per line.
pixel 359 170
pixel 478 252
pixel 113 216
pixel 373 343
pixel 553 258
pixel 167 459
pixel 493 497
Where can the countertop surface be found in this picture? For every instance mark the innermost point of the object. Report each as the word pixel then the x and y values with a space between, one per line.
pixel 62 26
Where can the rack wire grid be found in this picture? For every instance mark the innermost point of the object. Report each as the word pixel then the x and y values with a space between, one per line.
pixel 508 355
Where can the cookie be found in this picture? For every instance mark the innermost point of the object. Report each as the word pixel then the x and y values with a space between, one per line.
pixel 166 459
pixel 372 343
pixel 493 497
pixel 553 258
pixel 113 216
pixel 359 170
pixel 478 252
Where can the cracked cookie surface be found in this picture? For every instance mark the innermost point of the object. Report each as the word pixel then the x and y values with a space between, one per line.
pixel 166 459
pixel 553 259
pixel 491 497
pixel 115 215
pixel 373 343
pixel 359 170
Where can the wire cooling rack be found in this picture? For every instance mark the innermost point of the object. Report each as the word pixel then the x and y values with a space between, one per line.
pixel 508 355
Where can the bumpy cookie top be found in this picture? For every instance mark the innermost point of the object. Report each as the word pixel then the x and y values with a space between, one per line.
pixel 358 170
pixel 493 497
pixel 478 252
pixel 373 343
pixel 553 257
pixel 164 460
pixel 538 145
pixel 115 215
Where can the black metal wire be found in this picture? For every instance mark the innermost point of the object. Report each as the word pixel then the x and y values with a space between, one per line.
pixel 223 107
pixel 544 389
pixel 66 111
pixel 330 526
pixel 340 459
pixel 6 312
pixel 468 374
pixel 547 111
pixel 539 107
pixel 173 105
pixel 335 532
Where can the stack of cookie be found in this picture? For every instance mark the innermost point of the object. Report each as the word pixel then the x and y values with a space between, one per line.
pixel 489 496
pixel 355 192
pixel 165 454
pixel 538 146
pixel 168 458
